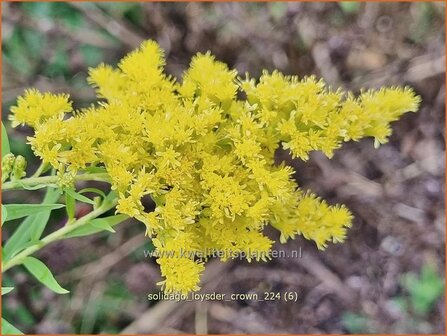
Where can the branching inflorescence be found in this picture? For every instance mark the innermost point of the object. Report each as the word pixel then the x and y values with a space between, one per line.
pixel 206 157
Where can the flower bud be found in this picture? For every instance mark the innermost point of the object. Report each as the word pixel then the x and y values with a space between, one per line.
pixel 7 165
pixel 65 179
pixel 18 171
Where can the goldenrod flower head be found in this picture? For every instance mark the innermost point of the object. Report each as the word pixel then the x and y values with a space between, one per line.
pixel 181 274
pixel 205 156
pixel 34 108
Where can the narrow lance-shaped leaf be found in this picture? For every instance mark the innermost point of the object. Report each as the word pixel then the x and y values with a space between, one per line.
pixel 24 246
pixel 31 228
pixel 102 223
pixel 43 274
pixel 93 190
pixel 110 196
pixel 97 225
pixel 4 214
pixel 5 142
pixel 9 329
pixel 15 211
pixel 6 290
pixel 70 204
pixel 78 196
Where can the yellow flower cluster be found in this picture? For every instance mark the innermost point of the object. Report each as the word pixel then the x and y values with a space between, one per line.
pixel 204 155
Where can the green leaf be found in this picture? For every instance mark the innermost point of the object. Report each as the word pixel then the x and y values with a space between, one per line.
pixel 95 170
pixel 70 204
pixel 9 329
pixel 111 196
pixel 24 246
pixel 4 214
pixel 43 274
pixel 31 228
pixel 102 224
pixel 6 290
pixel 5 142
pixel 424 290
pixel 93 190
pixel 97 225
pixel 15 211
pixel 78 196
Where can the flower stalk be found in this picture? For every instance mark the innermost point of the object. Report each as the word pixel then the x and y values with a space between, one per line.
pixel 50 181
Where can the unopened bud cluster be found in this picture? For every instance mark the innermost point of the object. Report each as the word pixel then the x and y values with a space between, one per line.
pixel 13 167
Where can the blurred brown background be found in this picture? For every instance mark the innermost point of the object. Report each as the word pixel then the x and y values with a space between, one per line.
pixel 380 280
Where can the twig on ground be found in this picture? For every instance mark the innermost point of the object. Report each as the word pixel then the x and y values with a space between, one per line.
pixel 113 26
pixel 314 266
pixel 156 317
pixel 252 323
pixel 102 265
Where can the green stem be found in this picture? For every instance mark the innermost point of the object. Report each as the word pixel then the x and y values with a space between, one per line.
pixel 46 180
pixel 59 234
pixel 43 166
